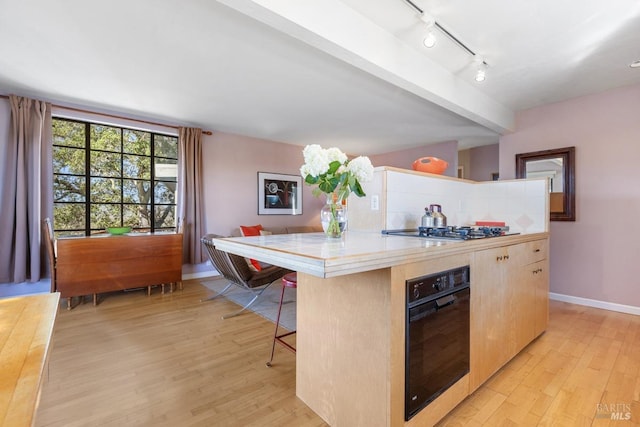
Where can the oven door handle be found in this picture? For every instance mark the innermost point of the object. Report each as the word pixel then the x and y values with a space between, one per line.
pixel 445 301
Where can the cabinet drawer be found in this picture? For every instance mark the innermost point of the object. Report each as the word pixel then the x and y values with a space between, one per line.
pixel 534 251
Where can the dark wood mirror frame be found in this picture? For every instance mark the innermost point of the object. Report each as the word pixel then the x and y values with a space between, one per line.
pixel 567 155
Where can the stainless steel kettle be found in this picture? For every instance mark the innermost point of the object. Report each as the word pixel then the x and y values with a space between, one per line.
pixel 439 220
pixel 427 218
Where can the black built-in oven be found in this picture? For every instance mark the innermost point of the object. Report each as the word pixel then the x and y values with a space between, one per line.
pixel 437 336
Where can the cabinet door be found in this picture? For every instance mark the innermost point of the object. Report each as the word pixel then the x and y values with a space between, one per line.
pixel 523 308
pixel 541 285
pixel 490 314
pixel 529 282
pixel 509 304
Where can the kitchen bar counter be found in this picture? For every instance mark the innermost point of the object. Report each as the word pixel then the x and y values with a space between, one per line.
pixel 351 314
pixel 26 328
pixel 315 254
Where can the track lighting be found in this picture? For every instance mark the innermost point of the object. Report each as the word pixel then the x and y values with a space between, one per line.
pixel 429 38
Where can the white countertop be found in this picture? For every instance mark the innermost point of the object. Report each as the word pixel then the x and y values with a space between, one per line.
pixel 315 254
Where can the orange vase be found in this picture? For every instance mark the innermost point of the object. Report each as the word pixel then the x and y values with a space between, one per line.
pixel 430 165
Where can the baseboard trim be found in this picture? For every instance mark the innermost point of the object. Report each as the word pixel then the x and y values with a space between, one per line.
pixel 612 306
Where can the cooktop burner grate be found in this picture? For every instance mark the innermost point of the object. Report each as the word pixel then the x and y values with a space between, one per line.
pixel 452 232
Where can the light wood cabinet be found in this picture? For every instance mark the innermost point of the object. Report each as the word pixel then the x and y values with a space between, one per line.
pixel 540 271
pixel 490 312
pixel 509 304
pixel 533 309
pixel 530 287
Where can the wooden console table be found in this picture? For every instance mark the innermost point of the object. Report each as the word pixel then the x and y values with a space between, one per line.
pixel 104 263
pixel 26 328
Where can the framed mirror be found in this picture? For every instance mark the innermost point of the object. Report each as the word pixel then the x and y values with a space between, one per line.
pixel 559 166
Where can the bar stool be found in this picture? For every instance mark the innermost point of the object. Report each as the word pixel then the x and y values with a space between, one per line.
pixel 289 280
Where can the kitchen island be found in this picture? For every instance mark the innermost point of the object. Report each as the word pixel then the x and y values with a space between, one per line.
pixel 351 314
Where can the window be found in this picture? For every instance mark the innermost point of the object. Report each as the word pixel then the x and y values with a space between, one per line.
pixel 106 176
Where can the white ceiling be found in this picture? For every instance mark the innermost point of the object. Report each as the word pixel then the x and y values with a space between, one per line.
pixel 349 73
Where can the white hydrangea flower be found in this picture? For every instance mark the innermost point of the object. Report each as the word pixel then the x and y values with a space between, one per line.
pixel 311 151
pixel 304 170
pixel 316 161
pixel 334 154
pixel 361 168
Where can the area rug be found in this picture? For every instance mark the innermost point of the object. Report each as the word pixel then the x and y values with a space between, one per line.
pixel 266 305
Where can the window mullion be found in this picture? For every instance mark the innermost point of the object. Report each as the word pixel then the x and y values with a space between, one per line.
pixel 121 177
pixel 87 178
pixel 152 184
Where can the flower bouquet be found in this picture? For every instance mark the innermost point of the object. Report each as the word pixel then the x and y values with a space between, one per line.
pixel 336 176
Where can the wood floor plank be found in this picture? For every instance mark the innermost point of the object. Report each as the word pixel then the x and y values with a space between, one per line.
pixel 587 357
pixel 169 360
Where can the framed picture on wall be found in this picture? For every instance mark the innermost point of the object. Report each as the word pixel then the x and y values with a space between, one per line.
pixel 279 194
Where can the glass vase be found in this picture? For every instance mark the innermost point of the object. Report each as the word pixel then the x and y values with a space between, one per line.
pixel 333 216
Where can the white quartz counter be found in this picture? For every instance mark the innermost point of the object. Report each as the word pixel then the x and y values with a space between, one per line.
pixel 315 254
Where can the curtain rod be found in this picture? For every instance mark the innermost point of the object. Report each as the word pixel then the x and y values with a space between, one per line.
pixel 113 116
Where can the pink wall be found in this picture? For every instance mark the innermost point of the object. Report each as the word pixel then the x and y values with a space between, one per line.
pixel 483 161
pixel 595 257
pixel 404 159
pixel 231 164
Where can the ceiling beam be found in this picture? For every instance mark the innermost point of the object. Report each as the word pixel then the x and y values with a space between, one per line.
pixel 336 29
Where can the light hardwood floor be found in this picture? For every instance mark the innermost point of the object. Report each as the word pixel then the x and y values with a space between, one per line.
pixel 169 360
pixel 587 358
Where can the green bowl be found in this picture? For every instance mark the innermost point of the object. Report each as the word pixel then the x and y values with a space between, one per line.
pixel 118 230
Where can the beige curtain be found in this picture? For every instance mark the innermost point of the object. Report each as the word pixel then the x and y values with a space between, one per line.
pixel 190 194
pixel 26 191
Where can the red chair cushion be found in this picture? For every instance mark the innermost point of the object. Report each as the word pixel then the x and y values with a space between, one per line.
pixel 252 230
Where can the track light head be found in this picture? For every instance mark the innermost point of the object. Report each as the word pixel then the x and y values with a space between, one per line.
pixel 429 40
pixel 481 68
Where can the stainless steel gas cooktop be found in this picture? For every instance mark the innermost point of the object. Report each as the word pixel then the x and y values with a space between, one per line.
pixel 452 232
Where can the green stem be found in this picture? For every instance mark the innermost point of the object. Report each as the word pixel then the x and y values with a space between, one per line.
pixel 334 226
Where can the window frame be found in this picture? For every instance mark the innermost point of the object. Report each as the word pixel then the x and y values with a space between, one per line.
pixel 122 177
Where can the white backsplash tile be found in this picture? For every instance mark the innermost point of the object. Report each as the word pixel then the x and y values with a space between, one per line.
pixel 403 196
pixel 521 204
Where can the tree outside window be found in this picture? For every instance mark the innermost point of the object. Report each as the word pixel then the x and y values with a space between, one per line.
pixel 106 176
